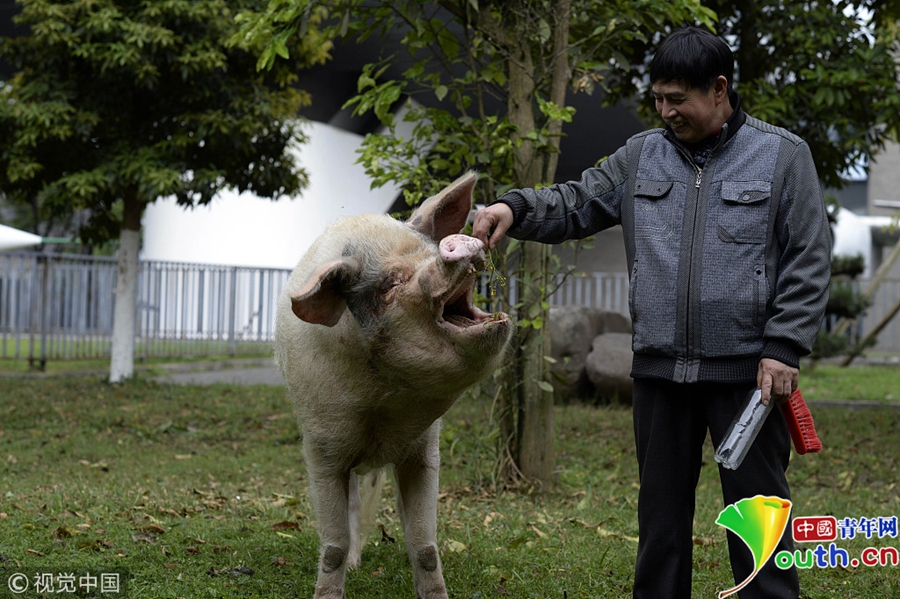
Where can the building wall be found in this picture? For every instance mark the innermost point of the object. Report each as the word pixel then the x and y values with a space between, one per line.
pixel 884 182
pixel 884 198
pixel 245 230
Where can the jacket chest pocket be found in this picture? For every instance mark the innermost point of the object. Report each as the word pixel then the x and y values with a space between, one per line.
pixel 654 209
pixel 744 212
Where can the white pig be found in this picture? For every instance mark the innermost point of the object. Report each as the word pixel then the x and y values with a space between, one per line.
pixel 376 336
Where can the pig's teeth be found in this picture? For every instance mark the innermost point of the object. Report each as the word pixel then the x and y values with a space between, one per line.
pixel 459 320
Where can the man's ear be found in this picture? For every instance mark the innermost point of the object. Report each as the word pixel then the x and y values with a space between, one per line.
pixel 720 87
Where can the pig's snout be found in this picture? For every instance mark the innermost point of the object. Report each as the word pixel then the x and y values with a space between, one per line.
pixel 456 248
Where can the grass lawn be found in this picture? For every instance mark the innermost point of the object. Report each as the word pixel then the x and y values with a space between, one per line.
pixel 200 492
pixel 871 383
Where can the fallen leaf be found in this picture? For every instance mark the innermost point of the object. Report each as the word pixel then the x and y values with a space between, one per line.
pixel 141 537
pixel 616 535
pixel 585 501
pixel 385 537
pixel 152 528
pixel 286 525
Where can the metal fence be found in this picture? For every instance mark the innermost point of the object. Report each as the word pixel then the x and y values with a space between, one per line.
pixel 60 306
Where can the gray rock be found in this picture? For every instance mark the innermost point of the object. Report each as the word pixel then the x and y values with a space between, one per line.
pixel 572 332
pixel 608 366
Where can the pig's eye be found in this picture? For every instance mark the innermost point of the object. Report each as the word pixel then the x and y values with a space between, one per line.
pixel 392 281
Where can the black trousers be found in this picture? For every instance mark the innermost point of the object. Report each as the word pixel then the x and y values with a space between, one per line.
pixel 670 425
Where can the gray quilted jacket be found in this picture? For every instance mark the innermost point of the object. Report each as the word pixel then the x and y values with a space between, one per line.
pixel 728 264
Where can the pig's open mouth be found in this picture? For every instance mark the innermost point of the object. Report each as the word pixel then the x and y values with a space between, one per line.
pixel 459 312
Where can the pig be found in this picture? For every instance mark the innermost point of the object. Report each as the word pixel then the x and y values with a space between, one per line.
pixel 377 336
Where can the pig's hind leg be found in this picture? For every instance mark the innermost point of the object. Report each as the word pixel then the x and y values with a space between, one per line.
pixel 417 483
pixel 354 509
pixel 365 492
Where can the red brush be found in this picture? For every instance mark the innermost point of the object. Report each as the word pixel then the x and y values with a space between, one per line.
pixel 800 422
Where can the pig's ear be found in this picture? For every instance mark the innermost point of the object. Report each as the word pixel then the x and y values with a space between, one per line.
pixel 446 213
pixel 321 300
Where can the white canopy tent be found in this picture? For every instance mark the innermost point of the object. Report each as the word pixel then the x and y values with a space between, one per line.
pixel 14 239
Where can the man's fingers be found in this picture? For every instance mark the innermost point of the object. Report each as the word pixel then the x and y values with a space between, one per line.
pixel 776 379
pixel 492 223
pixel 764 382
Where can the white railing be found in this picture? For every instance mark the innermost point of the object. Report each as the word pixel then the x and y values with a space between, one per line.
pixel 60 306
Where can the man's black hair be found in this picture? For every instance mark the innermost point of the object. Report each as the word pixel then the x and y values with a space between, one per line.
pixel 695 56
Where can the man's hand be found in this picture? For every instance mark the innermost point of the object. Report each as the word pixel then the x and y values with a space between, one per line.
pixel 776 379
pixel 492 223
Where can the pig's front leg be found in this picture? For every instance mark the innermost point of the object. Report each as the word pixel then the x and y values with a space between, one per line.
pixel 329 495
pixel 417 483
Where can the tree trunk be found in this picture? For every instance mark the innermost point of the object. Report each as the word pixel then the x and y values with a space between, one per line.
pixel 530 399
pixel 537 460
pixel 121 364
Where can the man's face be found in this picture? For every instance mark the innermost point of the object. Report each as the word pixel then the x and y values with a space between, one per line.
pixel 692 114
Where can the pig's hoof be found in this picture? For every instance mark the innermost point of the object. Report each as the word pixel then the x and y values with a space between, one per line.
pixel 329 590
pixel 439 593
pixel 353 562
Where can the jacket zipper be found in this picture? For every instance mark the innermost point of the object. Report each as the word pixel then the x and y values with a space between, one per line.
pixel 688 324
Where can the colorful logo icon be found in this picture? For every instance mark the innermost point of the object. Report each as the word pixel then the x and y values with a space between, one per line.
pixel 760 523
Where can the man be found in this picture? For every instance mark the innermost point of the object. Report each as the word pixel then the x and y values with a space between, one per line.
pixel 728 248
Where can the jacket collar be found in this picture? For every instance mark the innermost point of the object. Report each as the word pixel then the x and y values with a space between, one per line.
pixel 722 136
